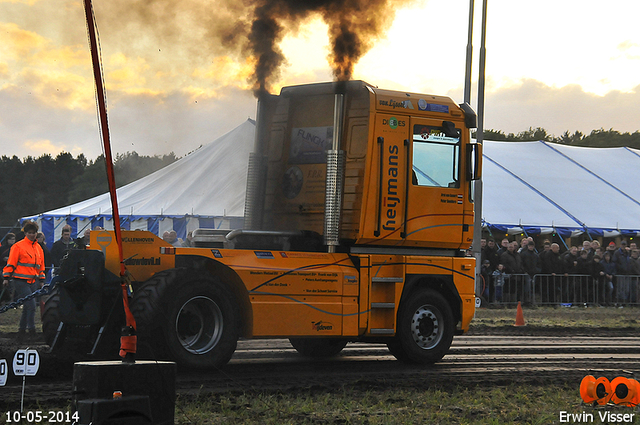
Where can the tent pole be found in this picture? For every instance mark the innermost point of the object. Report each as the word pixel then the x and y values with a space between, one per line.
pixel 467 75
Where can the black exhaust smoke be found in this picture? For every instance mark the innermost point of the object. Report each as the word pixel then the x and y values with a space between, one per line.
pixel 353 27
pixel 250 31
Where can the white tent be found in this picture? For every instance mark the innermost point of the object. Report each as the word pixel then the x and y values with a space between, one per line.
pixel 540 187
pixel 203 189
pixel 528 187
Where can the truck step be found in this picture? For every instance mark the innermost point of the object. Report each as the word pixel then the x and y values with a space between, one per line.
pixel 383 305
pixel 387 279
pixel 382 331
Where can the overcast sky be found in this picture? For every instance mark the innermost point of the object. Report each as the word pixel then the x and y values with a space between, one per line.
pixel 172 86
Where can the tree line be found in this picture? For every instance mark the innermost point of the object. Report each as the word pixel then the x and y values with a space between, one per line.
pixel 34 185
pixel 31 185
pixel 596 139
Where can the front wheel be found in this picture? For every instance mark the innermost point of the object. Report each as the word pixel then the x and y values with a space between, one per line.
pixel 194 319
pixel 425 328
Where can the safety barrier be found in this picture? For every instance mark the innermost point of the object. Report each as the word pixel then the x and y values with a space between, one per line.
pixel 561 289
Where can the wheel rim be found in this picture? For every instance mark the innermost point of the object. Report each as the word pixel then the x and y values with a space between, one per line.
pixel 427 327
pixel 199 325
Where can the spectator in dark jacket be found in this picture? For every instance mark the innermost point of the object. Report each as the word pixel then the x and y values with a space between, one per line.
pixel 62 246
pixel 5 248
pixel 634 262
pixel 511 259
pixel 570 260
pixel 531 267
pixel 621 258
pixel 634 273
pixel 490 253
pixel 571 288
pixel 530 259
pixel 597 275
pixel 609 268
pixel 552 265
pixel 583 266
pixel 503 246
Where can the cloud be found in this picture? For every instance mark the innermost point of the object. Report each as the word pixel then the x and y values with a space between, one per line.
pixel 17 43
pixel 126 73
pixel 531 103
pixel 177 121
pixel 44 146
pixel 149 123
pixel 28 2
pixel 629 50
pixel 27 121
pixel 57 75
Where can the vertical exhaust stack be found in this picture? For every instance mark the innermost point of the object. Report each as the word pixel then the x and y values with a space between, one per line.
pixel 256 174
pixel 335 174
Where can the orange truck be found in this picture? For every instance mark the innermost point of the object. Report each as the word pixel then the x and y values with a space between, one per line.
pixel 358 217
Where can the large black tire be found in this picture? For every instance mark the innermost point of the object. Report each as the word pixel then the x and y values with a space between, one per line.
pixel 189 318
pixel 425 328
pixel 318 347
pixel 51 316
pixel 74 342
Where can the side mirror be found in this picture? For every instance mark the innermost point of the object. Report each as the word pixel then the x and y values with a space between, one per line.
pixel 470 117
pixel 474 161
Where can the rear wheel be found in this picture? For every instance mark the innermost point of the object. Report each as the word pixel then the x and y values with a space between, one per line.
pixel 191 319
pixel 51 317
pixel 318 347
pixel 75 342
pixel 425 328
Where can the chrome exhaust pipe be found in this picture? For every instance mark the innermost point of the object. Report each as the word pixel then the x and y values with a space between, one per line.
pixel 256 173
pixel 335 175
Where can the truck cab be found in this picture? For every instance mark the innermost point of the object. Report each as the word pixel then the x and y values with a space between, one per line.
pixel 358 215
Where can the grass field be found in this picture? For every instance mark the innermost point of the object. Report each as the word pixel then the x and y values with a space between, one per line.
pixel 10 319
pixel 511 404
pixel 574 317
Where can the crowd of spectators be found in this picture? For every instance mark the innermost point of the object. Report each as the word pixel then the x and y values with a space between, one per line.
pixel 581 274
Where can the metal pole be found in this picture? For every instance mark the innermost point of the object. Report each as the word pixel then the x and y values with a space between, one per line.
pixel 477 187
pixel 481 76
pixel 467 73
pixel 128 349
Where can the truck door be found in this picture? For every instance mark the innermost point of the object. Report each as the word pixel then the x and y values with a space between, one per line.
pixel 435 193
pixel 386 205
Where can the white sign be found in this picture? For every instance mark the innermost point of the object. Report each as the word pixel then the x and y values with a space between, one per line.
pixel 26 362
pixel 4 371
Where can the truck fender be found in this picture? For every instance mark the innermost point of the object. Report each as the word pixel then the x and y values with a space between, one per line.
pixel 440 283
pixel 229 277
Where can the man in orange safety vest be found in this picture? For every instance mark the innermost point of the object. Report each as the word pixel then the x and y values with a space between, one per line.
pixel 25 269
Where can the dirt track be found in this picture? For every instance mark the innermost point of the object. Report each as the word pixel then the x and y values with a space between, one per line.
pixel 486 357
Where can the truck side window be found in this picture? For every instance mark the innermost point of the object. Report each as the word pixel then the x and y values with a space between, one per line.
pixel 436 157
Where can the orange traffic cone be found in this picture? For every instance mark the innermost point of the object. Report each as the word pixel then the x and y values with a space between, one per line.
pixel 519 316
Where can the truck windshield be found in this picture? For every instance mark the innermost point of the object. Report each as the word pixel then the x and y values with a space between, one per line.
pixel 435 157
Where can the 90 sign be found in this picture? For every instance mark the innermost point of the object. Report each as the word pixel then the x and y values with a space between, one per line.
pixel 26 363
